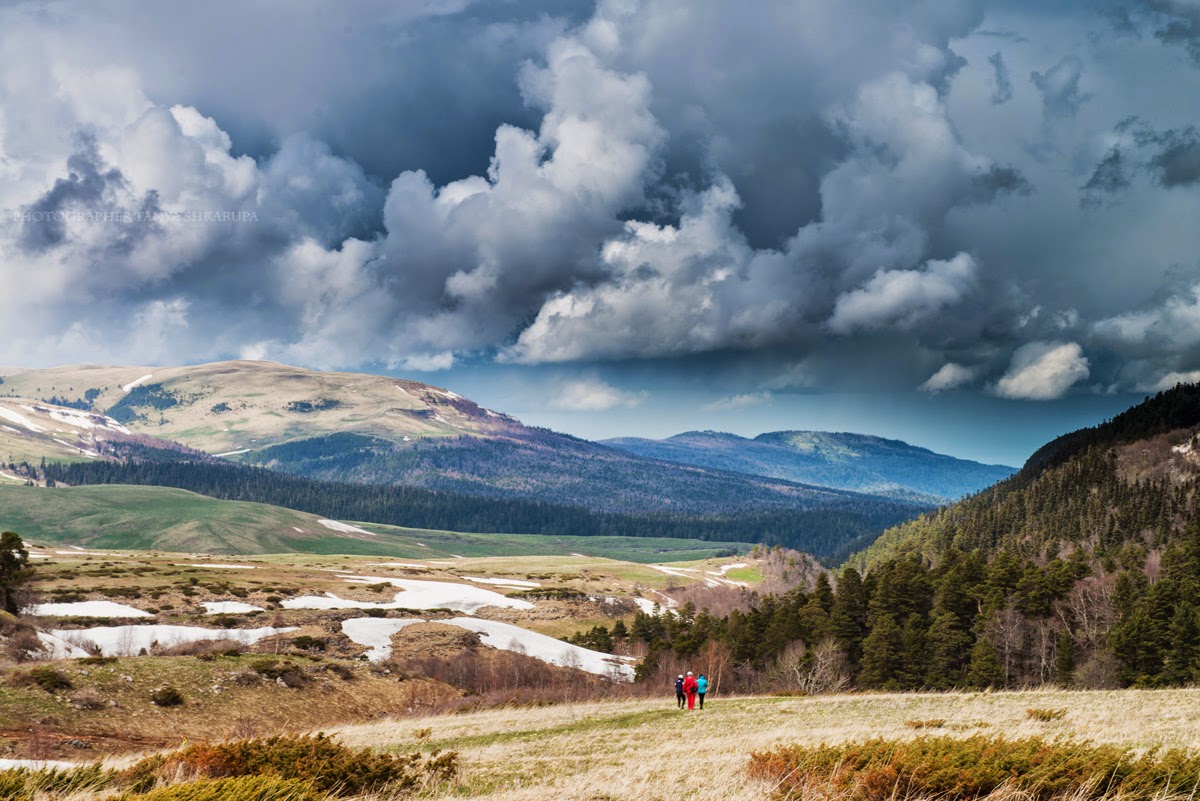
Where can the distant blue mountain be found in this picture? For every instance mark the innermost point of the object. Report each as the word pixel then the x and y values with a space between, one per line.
pixel 855 462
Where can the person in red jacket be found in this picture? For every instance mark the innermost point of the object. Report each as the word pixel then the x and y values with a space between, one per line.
pixel 690 689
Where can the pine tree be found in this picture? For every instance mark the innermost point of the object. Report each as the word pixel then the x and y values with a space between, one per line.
pixel 881 657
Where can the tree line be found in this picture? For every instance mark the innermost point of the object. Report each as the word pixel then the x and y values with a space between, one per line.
pixel 830 534
pixel 966 622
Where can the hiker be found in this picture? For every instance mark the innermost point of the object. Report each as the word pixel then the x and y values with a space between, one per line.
pixel 689 687
pixel 701 688
pixel 679 696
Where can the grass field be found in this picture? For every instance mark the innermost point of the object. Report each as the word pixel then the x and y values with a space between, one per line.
pixel 648 750
pixel 161 518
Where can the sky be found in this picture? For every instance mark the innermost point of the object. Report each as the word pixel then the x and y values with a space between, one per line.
pixel 969 224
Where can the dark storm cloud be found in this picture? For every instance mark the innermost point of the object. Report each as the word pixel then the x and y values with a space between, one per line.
pixel 1111 177
pixel 1059 87
pixel 831 183
pixel 88 184
pixel 1002 90
pixel 1177 163
pixel 1176 22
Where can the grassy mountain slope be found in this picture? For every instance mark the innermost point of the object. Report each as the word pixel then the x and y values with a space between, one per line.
pixel 1131 479
pixel 379 430
pixel 175 520
pixel 166 519
pixel 846 461
pixel 236 405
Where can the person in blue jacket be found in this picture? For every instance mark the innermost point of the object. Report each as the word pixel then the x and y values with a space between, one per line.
pixel 701 688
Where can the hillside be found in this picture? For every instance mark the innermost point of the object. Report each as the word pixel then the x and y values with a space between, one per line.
pixel 827 533
pixel 32 430
pixel 157 518
pixel 1129 480
pixel 165 519
pixel 379 430
pixel 855 462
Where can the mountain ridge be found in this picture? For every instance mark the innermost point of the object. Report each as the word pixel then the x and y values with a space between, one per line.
pixel 857 462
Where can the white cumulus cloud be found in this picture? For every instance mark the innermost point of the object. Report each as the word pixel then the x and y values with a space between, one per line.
pixel 1043 371
pixel 744 401
pixel 902 298
pixel 593 395
pixel 948 376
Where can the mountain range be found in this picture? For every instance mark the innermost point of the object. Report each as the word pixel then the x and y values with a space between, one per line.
pixel 825 492
pixel 873 465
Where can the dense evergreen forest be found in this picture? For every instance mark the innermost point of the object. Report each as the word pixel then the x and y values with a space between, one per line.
pixel 968 622
pixel 829 534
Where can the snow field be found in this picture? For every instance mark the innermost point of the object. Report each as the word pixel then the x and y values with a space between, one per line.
pixel 414 594
pixel 130 640
pixel 87 609
pixel 376 633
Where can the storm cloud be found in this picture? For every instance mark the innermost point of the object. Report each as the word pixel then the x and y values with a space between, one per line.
pixel 604 183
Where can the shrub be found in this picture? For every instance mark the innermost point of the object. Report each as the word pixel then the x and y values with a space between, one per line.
pixel 1045 715
pixel 932 723
pixel 954 769
pixel 286 672
pixel 166 696
pixel 49 679
pixel 243 788
pixel 326 765
pixel 309 643
pixel 97 660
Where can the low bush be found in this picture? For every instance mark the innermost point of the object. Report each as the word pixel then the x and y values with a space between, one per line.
pixel 309 643
pixel 322 763
pixel 931 723
pixel 49 679
pixel 25 784
pixel 243 788
pixel 166 696
pixel 953 769
pixel 282 671
pixel 1045 715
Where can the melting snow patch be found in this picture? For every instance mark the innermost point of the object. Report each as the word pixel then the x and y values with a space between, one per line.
pixel 215 566
pixel 723 569
pixel 60 648
pixel 88 609
pixel 547 649
pixel 297 529
pixel 683 572
pixel 410 565
pixel 647 606
pixel 13 417
pixel 232 453
pixel 229 607
pixel 345 527
pixel 415 594
pixel 140 381
pixel 130 640
pixel 375 633
pixel 503 582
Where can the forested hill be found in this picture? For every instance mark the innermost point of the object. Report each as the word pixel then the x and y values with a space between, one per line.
pixel 1082 570
pixel 1131 479
pixel 829 533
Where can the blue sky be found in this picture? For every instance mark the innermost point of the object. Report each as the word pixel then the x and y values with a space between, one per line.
pixel 968 224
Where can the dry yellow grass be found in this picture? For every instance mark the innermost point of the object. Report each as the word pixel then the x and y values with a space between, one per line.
pixel 648 750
